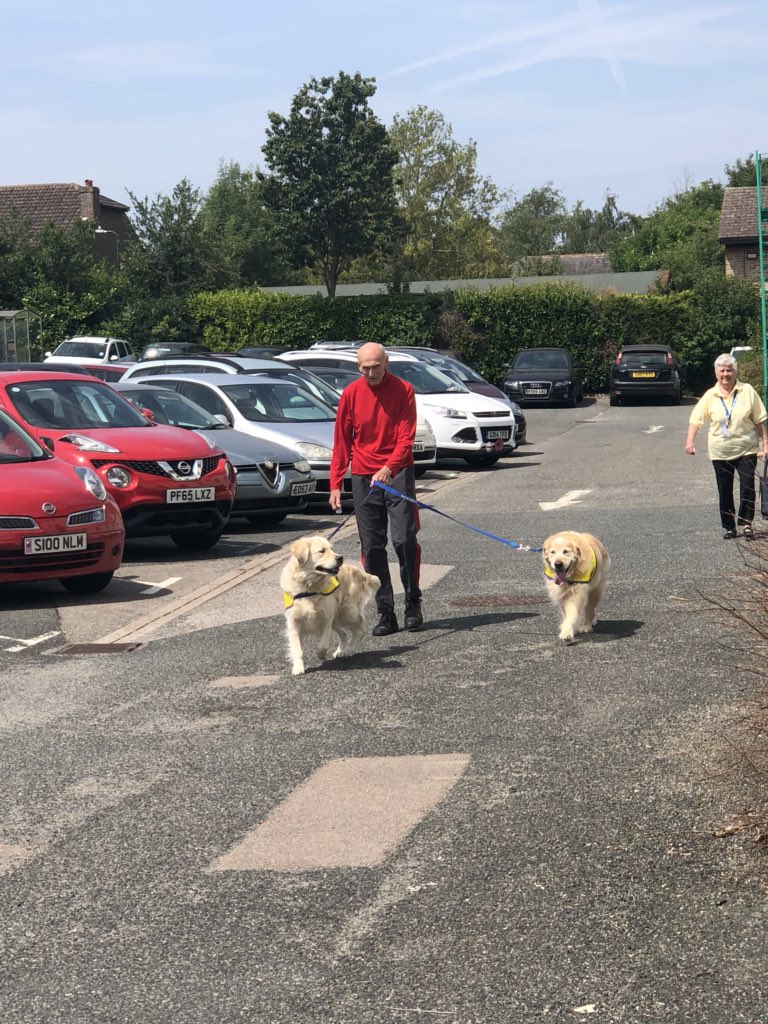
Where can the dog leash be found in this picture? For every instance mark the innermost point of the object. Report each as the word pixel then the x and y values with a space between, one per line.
pixel 467 526
pixel 346 518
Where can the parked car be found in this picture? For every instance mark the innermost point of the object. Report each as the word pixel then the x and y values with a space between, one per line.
pixel 82 350
pixel 271 409
pixel 541 376
pixel 165 349
pixel 471 427
pixel 57 521
pixel 645 371
pixel 166 481
pixel 271 481
pixel 262 351
pixel 471 379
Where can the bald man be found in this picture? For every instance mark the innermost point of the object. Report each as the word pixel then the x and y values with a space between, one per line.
pixel 375 428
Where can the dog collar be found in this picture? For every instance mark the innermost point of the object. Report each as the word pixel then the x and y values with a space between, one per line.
pixel 583 577
pixel 289 599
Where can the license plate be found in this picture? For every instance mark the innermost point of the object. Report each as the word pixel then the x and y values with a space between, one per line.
pixel 534 391
pixel 306 488
pixel 418 446
pixel 183 494
pixel 643 376
pixel 492 434
pixel 64 542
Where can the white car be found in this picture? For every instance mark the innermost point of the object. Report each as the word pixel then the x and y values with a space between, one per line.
pixel 466 426
pixel 87 351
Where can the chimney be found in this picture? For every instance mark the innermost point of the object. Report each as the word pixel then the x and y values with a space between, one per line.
pixel 89 202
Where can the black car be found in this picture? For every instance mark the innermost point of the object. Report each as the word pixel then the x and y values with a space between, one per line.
pixel 645 371
pixel 544 376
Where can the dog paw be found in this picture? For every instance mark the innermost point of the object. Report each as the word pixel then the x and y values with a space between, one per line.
pixel 567 638
pixel 338 652
pixel 323 655
pixel 298 669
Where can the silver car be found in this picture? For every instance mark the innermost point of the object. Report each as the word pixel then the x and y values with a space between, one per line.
pixel 271 481
pixel 269 408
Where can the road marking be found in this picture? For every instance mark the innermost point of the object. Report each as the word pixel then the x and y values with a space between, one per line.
pixel 653 430
pixel 155 588
pixel 242 682
pixel 350 814
pixel 571 498
pixel 24 644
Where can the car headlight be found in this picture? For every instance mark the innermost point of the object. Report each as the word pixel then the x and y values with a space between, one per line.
pixel 513 384
pixel 447 411
pixel 92 482
pixel 560 384
pixel 118 477
pixel 301 466
pixel 314 452
pixel 88 444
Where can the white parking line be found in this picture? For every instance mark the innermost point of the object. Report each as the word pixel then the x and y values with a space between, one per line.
pixel 571 498
pixel 652 430
pixel 155 588
pixel 24 644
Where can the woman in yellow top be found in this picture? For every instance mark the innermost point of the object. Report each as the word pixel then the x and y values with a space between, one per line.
pixel 735 415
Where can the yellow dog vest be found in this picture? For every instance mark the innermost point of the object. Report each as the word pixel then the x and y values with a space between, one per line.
pixel 289 599
pixel 582 577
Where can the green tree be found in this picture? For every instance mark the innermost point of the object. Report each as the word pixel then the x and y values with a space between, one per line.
pixel 741 173
pixel 235 210
pixel 586 230
pixel 534 225
pixel 330 175
pixel 15 261
pixel 446 205
pixel 679 236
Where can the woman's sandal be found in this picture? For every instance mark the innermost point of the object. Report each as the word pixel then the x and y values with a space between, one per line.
pixel 749 533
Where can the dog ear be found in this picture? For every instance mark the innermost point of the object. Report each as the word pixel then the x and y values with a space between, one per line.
pixel 300 550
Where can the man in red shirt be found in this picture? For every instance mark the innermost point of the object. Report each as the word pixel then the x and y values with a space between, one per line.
pixel 375 428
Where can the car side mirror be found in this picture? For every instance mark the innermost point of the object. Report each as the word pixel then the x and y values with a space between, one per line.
pixel 148 413
pixel 47 354
pixel 48 442
pixel 221 418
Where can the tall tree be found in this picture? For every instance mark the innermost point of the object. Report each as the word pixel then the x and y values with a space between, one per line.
pixel 586 230
pixel 533 226
pixel 742 172
pixel 330 174
pixel 446 205
pixel 235 210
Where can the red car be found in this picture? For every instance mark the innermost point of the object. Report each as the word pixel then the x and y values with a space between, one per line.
pixel 166 481
pixel 56 520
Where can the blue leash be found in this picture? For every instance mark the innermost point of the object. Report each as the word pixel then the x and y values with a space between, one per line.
pixel 422 504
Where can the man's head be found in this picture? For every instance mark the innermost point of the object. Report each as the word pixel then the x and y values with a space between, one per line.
pixel 372 362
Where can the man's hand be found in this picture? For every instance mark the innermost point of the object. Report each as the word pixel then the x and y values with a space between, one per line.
pixel 384 475
pixel 334 500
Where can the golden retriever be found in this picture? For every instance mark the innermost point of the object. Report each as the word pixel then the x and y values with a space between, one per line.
pixel 576 565
pixel 322 596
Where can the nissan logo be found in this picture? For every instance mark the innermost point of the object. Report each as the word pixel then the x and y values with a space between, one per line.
pixel 184 468
pixel 48 508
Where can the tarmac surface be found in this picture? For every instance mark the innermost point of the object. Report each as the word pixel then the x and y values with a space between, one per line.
pixel 471 824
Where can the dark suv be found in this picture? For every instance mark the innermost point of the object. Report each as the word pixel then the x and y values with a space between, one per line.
pixel 544 376
pixel 641 371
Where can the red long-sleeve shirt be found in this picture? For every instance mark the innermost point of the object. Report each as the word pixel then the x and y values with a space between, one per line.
pixel 375 427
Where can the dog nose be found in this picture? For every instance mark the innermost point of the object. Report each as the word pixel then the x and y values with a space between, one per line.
pixel 559 564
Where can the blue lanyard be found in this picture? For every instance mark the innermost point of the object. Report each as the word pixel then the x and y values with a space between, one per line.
pixel 725 407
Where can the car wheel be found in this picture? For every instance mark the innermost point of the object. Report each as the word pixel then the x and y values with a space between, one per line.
pixel 677 397
pixel 573 401
pixel 420 470
pixel 481 460
pixel 196 541
pixel 615 400
pixel 87 584
pixel 268 519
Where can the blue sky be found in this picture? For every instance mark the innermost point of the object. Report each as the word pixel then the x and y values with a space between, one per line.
pixel 639 98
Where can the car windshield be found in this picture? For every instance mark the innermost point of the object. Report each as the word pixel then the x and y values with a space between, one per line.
pixel 174 410
pixel 426 380
pixel 73 405
pixel 307 380
pixel 82 349
pixel 644 358
pixel 16 445
pixel 277 401
pixel 541 361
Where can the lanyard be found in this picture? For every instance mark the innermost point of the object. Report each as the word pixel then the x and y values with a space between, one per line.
pixel 725 407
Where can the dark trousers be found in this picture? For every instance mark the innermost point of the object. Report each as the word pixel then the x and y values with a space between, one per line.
pixel 725 472
pixel 375 509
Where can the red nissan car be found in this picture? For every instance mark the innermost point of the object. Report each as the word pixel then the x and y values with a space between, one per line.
pixel 166 481
pixel 56 520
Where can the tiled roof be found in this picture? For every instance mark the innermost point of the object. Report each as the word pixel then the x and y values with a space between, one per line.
pixel 60 203
pixel 738 215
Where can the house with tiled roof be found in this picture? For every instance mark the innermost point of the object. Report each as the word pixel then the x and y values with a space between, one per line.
pixel 738 233
pixel 64 204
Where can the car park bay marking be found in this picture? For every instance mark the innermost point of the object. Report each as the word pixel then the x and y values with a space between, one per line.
pixel 652 430
pixel 571 498
pixel 155 588
pixel 352 812
pixel 22 645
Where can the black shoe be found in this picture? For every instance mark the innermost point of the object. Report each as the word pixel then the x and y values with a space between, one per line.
pixel 729 535
pixel 387 624
pixel 413 617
